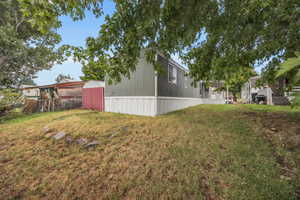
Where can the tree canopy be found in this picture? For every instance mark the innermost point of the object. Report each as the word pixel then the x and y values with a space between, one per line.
pixel 24 49
pixel 92 71
pixel 9 98
pixel 27 81
pixel 236 81
pixel 215 39
pixel 61 78
pixel 291 69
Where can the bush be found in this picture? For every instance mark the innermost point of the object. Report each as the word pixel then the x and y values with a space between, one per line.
pixel 30 106
pixel 9 99
pixel 295 102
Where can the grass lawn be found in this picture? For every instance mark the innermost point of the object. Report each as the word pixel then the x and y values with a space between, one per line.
pixel 210 152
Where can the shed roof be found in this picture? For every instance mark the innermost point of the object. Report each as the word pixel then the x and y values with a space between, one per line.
pixel 94 84
pixel 58 85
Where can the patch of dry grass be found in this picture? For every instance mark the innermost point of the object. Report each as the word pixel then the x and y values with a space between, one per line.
pixel 204 152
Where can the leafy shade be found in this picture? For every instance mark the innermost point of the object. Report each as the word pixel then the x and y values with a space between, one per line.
pixel 24 49
pixel 63 78
pixel 27 81
pixel 296 99
pixel 237 81
pixel 8 99
pixel 291 67
pixel 291 70
pixel 44 14
pixel 216 39
pixel 92 71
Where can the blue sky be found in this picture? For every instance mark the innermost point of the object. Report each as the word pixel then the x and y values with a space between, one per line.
pixel 74 33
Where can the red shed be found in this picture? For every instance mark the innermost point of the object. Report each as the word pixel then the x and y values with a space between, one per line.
pixel 93 95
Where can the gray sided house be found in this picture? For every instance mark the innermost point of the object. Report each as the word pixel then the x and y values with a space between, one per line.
pixel 149 93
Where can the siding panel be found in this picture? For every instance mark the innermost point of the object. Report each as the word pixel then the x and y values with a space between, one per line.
pixel 182 88
pixel 141 82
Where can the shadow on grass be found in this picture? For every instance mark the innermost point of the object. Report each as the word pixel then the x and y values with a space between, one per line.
pixel 254 171
pixel 18 116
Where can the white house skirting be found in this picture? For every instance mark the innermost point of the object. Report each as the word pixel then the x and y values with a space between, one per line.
pixel 169 104
pixel 152 106
pixel 131 105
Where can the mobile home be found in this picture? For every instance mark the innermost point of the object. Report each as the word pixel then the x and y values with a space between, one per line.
pixel 149 93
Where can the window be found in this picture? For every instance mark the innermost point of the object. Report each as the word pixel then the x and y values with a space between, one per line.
pixel 172 74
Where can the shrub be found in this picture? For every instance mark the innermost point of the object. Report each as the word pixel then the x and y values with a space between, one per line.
pixel 9 99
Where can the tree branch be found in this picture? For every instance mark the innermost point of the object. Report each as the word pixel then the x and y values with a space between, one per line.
pixel 2 59
pixel 19 23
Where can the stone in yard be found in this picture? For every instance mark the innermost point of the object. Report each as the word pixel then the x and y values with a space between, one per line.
pixel 3 147
pixel 114 134
pixel 59 135
pixel 124 129
pixel 92 144
pixel 273 129
pixel 293 143
pixel 285 177
pixel 81 141
pixel 46 129
pixel 69 140
pixel 48 135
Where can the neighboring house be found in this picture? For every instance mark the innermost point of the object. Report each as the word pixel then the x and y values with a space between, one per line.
pixel 31 92
pixel 249 90
pixel 56 96
pixel 274 93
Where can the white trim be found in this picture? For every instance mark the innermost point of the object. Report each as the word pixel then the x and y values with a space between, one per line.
pixel 135 105
pixel 178 98
pixel 131 97
pixel 94 84
pixel 174 62
pixel 178 65
pixel 156 79
pixel 155 84
pixel 169 104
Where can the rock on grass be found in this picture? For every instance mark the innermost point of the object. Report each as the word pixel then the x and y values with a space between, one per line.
pixel 48 135
pixel 59 135
pixel 92 144
pixel 69 140
pixel 46 129
pixel 81 141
